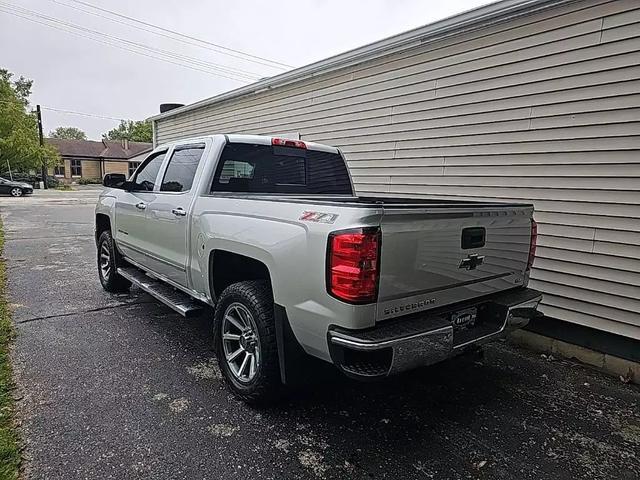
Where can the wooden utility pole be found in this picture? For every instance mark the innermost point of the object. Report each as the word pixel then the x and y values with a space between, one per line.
pixel 44 163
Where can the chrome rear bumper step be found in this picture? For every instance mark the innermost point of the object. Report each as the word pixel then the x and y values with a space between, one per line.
pixel 171 297
pixel 426 338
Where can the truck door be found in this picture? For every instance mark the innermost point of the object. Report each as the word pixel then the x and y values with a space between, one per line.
pixel 168 215
pixel 131 208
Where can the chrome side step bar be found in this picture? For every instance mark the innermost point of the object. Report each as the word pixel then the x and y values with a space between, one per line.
pixel 171 297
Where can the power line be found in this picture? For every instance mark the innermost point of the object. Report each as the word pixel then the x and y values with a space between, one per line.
pixel 231 69
pixel 59 25
pixel 83 114
pixel 227 70
pixel 271 63
pixel 70 112
pixel 198 42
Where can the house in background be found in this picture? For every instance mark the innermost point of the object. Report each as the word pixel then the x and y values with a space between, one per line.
pixel 93 159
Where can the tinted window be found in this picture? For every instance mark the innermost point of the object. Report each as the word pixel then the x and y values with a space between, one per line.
pixel 146 177
pixel 253 168
pixel 76 168
pixel 182 168
pixel 58 169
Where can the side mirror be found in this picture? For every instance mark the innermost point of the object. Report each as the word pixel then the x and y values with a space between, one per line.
pixel 114 180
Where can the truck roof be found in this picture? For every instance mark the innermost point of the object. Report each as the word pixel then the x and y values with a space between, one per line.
pixel 245 138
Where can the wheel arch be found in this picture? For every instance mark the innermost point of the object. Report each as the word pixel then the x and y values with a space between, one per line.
pixel 103 223
pixel 227 267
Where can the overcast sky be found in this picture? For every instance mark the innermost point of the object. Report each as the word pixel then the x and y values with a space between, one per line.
pixel 78 74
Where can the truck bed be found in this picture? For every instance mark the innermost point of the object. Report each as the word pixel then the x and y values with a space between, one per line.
pixel 426 260
pixel 372 202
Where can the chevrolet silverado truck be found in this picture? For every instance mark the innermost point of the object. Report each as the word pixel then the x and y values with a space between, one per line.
pixel 270 233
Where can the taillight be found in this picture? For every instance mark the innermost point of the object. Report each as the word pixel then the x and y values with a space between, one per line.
pixel 533 244
pixel 353 265
pixel 283 142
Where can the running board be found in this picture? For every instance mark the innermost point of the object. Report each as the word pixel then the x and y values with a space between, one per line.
pixel 171 297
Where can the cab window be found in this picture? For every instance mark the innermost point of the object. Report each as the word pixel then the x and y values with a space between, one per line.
pixel 182 168
pixel 146 175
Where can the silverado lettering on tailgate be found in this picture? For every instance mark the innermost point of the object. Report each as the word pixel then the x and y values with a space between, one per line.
pixel 409 307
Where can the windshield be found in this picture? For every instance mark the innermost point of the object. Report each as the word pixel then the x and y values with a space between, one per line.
pixel 253 168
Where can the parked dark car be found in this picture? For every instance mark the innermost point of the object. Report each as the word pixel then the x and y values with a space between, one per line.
pixel 14 188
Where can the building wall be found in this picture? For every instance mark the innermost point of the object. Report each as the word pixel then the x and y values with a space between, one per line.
pixel 116 167
pixel 544 108
pixel 91 169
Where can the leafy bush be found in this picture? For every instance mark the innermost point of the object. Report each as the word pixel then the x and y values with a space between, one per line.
pixel 89 181
pixel 52 182
pixel 20 177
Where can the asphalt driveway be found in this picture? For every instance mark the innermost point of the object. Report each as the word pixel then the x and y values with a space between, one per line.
pixel 121 387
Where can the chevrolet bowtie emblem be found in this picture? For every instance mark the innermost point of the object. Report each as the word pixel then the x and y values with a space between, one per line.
pixel 472 261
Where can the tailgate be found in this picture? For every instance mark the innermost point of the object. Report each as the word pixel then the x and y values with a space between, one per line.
pixel 432 257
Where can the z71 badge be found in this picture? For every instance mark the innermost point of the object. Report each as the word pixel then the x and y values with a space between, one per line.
pixel 318 217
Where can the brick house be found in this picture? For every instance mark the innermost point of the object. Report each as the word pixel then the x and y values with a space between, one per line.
pixel 93 159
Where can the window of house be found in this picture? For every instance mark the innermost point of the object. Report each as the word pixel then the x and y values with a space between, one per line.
pixel 132 168
pixel 182 168
pixel 76 168
pixel 145 177
pixel 58 169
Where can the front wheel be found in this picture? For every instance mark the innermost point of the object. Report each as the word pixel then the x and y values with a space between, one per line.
pixel 16 192
pixel 245 341
pixel 108 266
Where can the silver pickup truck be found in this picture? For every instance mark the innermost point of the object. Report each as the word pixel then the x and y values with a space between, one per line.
pixel 270 233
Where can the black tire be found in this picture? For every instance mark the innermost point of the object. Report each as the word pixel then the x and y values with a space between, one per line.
pixel 256 297
pixel 109 278
pixel 16 192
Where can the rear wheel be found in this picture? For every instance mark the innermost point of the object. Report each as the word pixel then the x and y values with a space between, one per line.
pixel 108 265
pixel 16 192
pixel 245 341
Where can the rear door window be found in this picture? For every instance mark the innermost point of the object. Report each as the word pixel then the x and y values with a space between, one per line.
pixel 255 168
pixel 182 168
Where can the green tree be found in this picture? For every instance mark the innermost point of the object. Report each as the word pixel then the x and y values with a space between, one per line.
pixel 21 86
pixel 19 144
pixel 71 133
pixel 140 131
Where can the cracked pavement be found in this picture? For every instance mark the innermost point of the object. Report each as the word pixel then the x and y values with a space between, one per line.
pixel 118 386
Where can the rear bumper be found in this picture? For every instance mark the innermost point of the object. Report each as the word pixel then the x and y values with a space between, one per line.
pixel 428 337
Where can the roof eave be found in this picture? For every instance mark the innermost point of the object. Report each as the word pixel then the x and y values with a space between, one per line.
pixel 466 21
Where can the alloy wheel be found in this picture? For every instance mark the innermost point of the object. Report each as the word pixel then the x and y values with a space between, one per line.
pixel 240 342
pixel 105 260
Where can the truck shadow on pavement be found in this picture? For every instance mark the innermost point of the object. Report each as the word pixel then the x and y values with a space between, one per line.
pixel 512 414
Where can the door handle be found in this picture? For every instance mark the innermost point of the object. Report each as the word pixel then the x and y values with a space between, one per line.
pixel 141 205
pixel 179 212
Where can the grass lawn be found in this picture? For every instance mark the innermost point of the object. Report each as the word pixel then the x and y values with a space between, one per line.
pixel 9 451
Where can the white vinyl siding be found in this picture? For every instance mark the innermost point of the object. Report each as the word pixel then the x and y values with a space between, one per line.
pixel 542 108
